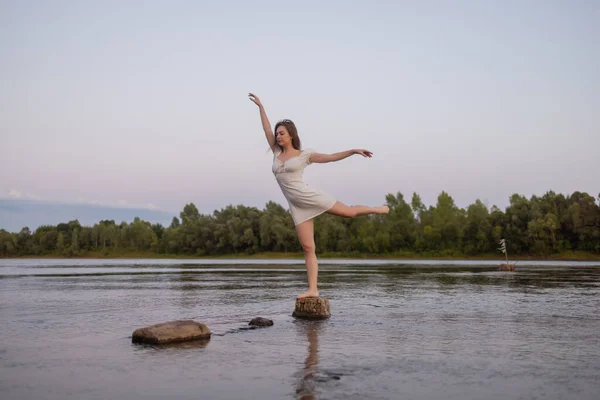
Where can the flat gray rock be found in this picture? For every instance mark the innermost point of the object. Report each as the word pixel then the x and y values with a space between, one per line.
pixel 170 332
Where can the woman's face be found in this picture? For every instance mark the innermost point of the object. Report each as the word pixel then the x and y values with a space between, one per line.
pixel 282 136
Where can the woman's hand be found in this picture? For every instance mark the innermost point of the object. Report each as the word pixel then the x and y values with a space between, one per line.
pixel 363 152
pixel 255 99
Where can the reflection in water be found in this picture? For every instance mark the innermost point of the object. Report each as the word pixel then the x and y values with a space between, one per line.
pixel 305 389
pixel 174 346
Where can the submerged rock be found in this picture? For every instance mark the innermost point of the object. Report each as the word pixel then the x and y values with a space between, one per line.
pixel 171 332
pixel 260 321
pixel 312 308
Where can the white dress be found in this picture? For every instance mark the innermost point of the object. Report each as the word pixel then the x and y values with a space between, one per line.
pixel 304 202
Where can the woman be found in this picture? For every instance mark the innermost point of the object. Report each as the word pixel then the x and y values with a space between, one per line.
pixel 305 203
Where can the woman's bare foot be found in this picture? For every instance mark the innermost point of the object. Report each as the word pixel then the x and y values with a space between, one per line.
pixel 310 293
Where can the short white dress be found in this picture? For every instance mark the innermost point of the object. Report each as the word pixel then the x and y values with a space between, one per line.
pixel 304 202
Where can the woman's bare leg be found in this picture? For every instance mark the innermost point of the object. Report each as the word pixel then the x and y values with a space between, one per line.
pixel 306 235
pixel 343 210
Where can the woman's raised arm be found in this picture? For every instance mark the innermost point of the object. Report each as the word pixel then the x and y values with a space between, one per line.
pixel 264 120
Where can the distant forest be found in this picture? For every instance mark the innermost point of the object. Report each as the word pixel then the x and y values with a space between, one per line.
pixel 540 226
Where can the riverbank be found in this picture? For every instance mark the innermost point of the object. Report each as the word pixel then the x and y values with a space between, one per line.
pixel 566 256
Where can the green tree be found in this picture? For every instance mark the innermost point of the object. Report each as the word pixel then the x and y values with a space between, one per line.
pixel 9 246
pixel 276 230
pixel 60 242
pixel 399 225
pixel 478 238
pixel 189 214
pixel 74 241
pixel 174 223
pixel 448 220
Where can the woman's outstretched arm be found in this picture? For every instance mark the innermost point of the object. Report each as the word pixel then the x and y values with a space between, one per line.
pixel 264 120
pixel 326 158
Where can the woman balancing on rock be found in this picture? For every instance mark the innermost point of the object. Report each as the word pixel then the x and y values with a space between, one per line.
pixel 305 203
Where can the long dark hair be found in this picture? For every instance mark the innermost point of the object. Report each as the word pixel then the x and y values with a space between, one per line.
pixel 291 128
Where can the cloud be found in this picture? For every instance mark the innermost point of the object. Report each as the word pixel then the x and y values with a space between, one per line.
pixel 86 201
pixel 17 194
pixel 118 204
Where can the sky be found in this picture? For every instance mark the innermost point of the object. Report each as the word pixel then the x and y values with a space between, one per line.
pixel 144 104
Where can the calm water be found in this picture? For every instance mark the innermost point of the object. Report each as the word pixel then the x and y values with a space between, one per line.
pixel 411 330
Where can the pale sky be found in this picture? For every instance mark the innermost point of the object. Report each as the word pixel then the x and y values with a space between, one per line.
pixel 145 103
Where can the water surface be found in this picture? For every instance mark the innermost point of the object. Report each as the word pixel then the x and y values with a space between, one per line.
pixel 420 330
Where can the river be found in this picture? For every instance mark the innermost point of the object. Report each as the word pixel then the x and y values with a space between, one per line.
pixel 419 330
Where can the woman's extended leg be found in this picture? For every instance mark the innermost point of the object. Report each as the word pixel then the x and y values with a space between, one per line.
pixel 343 210
pixel 306 235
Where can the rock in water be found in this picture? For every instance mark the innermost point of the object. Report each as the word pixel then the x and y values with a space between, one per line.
pixel 170 332
pixel 507 267
pixel 312 308
pixel 260 321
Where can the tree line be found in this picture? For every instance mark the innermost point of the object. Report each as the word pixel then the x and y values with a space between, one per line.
pixel 538 226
